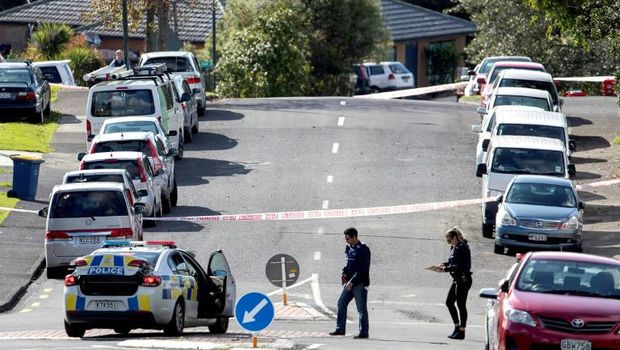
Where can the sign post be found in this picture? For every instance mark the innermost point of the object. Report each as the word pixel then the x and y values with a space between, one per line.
pixel 254 312
pixel 282 270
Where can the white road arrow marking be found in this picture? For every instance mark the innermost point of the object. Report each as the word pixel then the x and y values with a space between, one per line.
pixel 249 316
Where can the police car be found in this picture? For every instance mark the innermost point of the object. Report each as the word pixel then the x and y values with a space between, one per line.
pixel 128 284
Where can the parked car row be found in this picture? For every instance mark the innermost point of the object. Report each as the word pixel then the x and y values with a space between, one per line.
pixel 25 93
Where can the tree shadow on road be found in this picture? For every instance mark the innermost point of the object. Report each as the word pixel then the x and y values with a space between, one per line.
pixel 196 169
pixel 184 226
pixel 69 119
pixel 587 143
pixel 574 122
pixel 597 213
pixel 212 142
pixel 590 196
pixel 604 243
pixel 221 114
pixel 582 160
pixel 584 175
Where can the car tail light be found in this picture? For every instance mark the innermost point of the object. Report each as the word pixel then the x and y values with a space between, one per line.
pixel 136 263
pixel 82 165
pixel 391 77
pixel 70 280
pixel 89 131
pixel 79 262
pixel 151 281
pixel 129 196
pixel 141 171
pixel 157 165
pixel 27 96
pixel 171 244
pixel 192 80
pixel 56 235
pixel 121 232
pixel 110 160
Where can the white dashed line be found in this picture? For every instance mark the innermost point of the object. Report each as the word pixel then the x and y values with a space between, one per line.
pixel 325 204
pixel 314 346
pixel 330 178
pixel 335 147
pixel 343 103
pixel 25 310
pixel 35 304
pixel 321 230
pixel 340 121
pixel 317 255
pixel 47 290
pixel 43 296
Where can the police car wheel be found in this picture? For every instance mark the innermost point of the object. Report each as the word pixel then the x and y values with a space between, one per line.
pixel 74 331
pixel 177 323
pixel 122 330
pixel 174 195
pixel 220 326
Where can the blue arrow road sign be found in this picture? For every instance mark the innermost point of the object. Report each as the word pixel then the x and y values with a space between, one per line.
pixel 254 312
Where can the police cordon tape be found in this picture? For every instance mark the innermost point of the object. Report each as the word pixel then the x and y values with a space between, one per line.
pixel 340 213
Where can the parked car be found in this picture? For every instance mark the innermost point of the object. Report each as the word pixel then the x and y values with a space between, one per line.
pixel 531 80
pixel 153 284
pixel 189 107
pixel 539 212
pixel 513 96
pixel 487 83
pixel 143 92
pixel 556 300
pixel 386 76
pixel 140 170
pixel 81 216
pixel 135 124
pixel 185 64
pixel 160 157
pixel 24 92
pixel 57 72
pixel 484 67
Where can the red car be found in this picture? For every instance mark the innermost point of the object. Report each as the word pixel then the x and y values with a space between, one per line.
pixel 556 300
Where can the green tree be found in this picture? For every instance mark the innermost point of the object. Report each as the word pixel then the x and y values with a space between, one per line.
pixel 264 56
pixel 51 38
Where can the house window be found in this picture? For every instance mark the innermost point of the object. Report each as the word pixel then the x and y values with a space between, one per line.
pixel 441 60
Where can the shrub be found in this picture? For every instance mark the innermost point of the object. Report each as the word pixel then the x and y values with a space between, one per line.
pixel 51 39
pixel 83 60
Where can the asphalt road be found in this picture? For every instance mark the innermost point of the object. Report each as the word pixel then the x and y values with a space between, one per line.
pixel 269 155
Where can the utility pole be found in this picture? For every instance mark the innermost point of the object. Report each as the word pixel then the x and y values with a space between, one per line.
pixel 125 35
pixel 213 54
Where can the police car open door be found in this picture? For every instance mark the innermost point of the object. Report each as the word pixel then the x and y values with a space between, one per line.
pixel 219 273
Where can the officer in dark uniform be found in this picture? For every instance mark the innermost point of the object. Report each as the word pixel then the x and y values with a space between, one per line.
pixel 355 280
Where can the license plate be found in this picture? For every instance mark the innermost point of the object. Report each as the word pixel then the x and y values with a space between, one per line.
pixel 6 95
pixel 572 344
pixel 107 305
pixel 88 240
pixel 537 237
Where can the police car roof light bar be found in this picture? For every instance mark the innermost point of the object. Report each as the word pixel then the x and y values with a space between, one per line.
pixel 170 244
pixel 116 243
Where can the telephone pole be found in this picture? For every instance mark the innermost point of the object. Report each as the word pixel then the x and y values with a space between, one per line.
pixel 125 35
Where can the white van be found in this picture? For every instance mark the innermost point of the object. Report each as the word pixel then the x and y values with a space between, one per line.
pixel 82 216
pixel 509 156
pixel 135 95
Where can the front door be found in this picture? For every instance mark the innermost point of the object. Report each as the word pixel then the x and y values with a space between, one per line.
pixel 218 267
pixel 411 59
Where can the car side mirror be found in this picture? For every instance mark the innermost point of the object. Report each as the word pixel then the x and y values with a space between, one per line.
pixel 172 152
pixel 139 208
pixel 485 145
pixel 172 133
pixel 582 205
pixel 571 170
pixel 143 193
pixel 572 144
pixel 43 212
pixel 80 156
pixel 185 97
pixel 481 110
pixel 471 72
pixel 488 293
pixel 481 170
pixel 476 128
pixel 481 81
pixel 503 285
pixel 196 91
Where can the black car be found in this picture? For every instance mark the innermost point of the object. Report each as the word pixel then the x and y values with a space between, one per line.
pixel 24 92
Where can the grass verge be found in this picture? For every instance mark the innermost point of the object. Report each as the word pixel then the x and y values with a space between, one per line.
pixel 5 184
pixel 7 203
pixel 54 91
pixel 20 136
pixel 616 140
pixel 475 98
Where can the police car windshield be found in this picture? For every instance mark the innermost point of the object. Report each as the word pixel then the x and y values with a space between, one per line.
pixel 129 165
pixel 88 204
pixel 118 103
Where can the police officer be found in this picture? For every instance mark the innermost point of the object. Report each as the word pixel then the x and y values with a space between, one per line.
pixel 118 60
pixel 459 267
pixel 355 280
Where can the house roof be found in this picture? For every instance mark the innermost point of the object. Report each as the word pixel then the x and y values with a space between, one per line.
pixel 406 21
pixel 194 20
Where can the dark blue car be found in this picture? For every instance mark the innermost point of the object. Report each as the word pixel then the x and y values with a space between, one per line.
pixel 24 92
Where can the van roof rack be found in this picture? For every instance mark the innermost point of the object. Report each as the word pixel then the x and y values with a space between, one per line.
pixel 106 73
pixel 151 69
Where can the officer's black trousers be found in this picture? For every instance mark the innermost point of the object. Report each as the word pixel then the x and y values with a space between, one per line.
pixel 458 294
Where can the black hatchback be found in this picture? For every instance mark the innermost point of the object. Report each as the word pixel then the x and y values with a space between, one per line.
pixel 24 92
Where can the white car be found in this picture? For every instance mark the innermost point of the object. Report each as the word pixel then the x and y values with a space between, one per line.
pixel 127 285
pixel 487 82
pixel 57 72
pixel 189 107
pixel 385 76
pixel 135 124
pixel 484 67
pixel 532 80
pixel 512 96
pixel 185 64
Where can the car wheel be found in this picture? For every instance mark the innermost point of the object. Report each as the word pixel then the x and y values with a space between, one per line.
pixel 201 111
pixel 188 135
pixel 37 117
pixel 487 230
pixel 74 331
pixel 175 326
pixel 165 203
pixel 195 127
pixel 151 223
pixel 220 326
pixel 48 110
pixel 498 249
pixel 174 196
pixel 181 148
pixel 374 90
pixel 55 272
pixel 122 330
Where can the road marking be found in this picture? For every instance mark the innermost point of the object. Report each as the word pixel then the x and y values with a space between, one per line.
pixel 43 296
pixel 330 179
pixel 316 292
pixel 47 290
pixel 317 255
pixel 335 147
pixel 314 346
pixel 343 103
pixel 340 121
pixel 321 230
pixel 325 204
pixel 35 304
pixel 25 310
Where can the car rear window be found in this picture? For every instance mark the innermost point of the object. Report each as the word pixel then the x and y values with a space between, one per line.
pixel 88 204
pixel 528 161
pixel 51 74
pixel 130 165
pixel 498 70
pixel 95 178
pixel 376 70
pixel 122 146
pixel 398 69
pixel 118 103
pixel 513 100
pixel 173 64
pixel 15 75
pixel 553 132
pixel 531 84
pixel 139 126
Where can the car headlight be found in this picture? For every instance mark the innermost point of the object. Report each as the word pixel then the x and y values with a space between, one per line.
pixel 506 219
pixel 518 316
pixel 571 224
pixel 494 193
